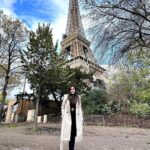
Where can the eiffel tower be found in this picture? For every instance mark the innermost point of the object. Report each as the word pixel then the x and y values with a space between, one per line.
pixel 75 45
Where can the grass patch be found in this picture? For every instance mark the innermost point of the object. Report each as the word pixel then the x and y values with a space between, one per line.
pixel 44 131
pixel 12 125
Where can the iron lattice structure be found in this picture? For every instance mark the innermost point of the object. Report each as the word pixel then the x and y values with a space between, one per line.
pixel 74 22
pixel 75 46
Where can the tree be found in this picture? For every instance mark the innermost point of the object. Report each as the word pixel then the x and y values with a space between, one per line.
pixel 130 84
pixel 37 60
pixel 140 76
pixel 12 39
pixel 120 89
pixel 119 26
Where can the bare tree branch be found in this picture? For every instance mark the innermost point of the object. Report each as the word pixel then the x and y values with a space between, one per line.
pixel 118 26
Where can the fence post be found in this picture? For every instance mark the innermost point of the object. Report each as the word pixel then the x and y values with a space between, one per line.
pixel 103 120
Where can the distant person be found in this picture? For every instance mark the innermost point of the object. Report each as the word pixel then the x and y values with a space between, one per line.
pixel 72 119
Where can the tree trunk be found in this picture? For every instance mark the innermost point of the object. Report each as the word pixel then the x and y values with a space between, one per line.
pixel 57 102
pixel 38 101
pixel 3 97
pixel 37 107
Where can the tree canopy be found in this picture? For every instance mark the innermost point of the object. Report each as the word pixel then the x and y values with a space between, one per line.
pixel 119 26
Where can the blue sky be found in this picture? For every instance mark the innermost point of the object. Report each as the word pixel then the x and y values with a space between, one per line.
pixel 31 12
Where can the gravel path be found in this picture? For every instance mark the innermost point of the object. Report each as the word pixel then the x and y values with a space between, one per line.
pixel 47 137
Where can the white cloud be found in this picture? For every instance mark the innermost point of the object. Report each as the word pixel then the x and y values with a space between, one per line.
pixel 7 3
pixel 59 25
pixel 62 4
pixel 7 7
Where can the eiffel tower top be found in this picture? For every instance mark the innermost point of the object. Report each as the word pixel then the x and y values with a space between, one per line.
pixel 74 22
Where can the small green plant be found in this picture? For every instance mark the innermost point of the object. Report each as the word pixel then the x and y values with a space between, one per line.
pixel 35 130
pixel 12 126
pixel 141 110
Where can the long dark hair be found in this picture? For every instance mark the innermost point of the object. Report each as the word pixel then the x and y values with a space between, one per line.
pixel 73 98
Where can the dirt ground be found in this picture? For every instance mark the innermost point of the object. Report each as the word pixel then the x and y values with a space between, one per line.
pixel 47 137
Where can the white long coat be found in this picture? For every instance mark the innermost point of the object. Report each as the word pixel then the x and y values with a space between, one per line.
pixel 66 120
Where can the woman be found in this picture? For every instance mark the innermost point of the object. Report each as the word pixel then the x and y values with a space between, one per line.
pixel 72 119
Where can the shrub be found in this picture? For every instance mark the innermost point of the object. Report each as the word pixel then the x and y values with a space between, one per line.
pixel 141 110
pixel 96 102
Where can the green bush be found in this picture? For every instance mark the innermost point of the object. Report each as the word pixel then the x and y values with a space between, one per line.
pixel 115 106
pixel 141 110
pixel 96 102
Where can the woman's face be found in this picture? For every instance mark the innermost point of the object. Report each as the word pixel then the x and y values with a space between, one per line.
pixel 72 90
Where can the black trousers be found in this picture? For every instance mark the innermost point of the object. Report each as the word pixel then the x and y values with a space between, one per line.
pixel 73 131
pixel 72 143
